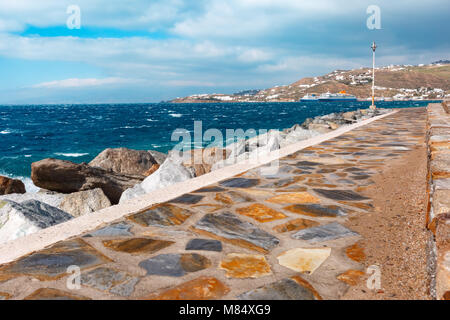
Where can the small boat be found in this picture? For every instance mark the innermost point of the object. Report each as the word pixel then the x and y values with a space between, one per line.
pixel 341 96
pixel 309 97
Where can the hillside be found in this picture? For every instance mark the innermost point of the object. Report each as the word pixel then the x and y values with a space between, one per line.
pixel 398 82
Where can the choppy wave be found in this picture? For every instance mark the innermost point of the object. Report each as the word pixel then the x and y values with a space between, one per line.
pixel 71 155
pixel 79 132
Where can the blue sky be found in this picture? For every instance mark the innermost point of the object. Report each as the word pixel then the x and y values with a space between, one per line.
pixel 148 51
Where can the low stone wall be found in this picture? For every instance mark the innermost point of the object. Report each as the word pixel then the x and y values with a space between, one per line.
pixel 438 216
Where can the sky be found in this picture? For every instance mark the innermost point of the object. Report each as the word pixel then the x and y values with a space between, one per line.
pixel 139 51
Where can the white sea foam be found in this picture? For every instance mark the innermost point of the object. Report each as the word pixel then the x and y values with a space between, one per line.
pixel 5 132
pixel 175 115
pixel 29 185
pixel 71 155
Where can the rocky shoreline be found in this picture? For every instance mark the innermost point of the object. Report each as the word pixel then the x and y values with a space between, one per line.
pixel 70 190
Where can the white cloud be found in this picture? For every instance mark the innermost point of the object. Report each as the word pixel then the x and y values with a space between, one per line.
pixel 77 83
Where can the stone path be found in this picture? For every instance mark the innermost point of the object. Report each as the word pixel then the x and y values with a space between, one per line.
pixel 254 236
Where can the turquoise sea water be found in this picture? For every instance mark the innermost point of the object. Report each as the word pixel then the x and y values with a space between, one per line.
pixel 79 132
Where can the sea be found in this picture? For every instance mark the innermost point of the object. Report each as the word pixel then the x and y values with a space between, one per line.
pixel 30 133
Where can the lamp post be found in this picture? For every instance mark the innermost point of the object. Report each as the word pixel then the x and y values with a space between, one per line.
pixel 374 47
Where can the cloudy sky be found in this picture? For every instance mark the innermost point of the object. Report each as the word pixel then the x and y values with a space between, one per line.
pixel 153 50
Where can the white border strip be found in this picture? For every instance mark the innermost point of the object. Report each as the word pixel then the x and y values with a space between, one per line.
pixel 37 241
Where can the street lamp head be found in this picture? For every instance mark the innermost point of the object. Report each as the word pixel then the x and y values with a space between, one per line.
pixel 374 46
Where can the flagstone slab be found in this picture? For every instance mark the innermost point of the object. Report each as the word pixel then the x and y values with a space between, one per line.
pixel 242 265
pixel 232 197
pixel 293 188
pixel 210 189
pixel 188 199
pixel 4 296
pixel 294 225
pixel 137 245
pixel 53 263
pixel 351 277
pixel 261 213
pixel 204 245
pixel 346 195
pixel 356 253
pixel 125 289
pixel 163 215
pixel 114 230
pixel 316 210
pixel 304 260
pixel 359 205
pixel 239 183
pixel 228 227
pixel 294 288
pixel 202 288
pixel 175 265
pixel 298 197
pixel 326 232
pixel 54 294
pixel 281 183
pixel 103 278
pixel 208 207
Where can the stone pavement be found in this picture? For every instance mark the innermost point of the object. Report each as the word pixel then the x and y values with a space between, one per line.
pixel 254 236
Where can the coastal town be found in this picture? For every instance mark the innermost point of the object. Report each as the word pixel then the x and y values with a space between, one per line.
pixel 394 83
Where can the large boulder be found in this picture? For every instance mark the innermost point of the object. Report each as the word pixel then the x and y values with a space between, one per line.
pixel 10 186
pixel 271 138
pixel 51 198
pixel 84 202
pixel 171 171
pixel 297 135
pixel 124 161
pixel 158 156
pixel 68 177
pixel 200 161
pixel 18 220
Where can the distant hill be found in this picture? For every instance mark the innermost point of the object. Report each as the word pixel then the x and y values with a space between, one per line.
pixel 399 82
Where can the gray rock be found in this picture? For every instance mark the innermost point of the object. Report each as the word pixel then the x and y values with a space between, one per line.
pixel 103 278
pixel 84 202
pixel 285 289
pixel 115 230
pixel 18 220
pixel 239 183
pixel 343 195
pixel 227 225
pixel 204 244
pixel 175 265
pixel 326 232
pixel 53 199
pixel 126 288
pixel 42 214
